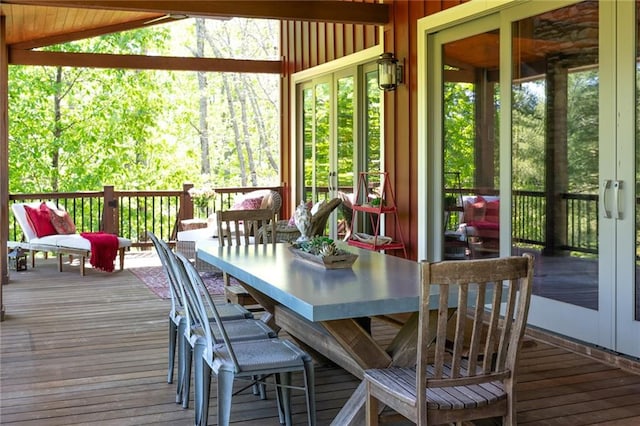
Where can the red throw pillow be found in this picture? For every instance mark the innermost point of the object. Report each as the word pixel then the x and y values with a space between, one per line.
pixel 493 211
pixel 40 220
pixel 474 211
pixel 248 204
pixel 62 222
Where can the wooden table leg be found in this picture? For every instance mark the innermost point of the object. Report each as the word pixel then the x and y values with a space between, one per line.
pixel 402 350
pixel 267 303
pixel 358 343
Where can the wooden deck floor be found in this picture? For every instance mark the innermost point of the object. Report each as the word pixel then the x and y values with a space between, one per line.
pixel 79 350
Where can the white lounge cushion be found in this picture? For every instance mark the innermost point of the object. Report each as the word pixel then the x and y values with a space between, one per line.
pixel 20 214
pixel 72 241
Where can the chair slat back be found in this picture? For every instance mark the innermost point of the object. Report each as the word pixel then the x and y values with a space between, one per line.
pixel 164 253
pixel 204 308
pixel 236 226
pixel 477 333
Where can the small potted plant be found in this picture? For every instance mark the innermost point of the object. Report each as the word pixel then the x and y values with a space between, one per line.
pixel 323 251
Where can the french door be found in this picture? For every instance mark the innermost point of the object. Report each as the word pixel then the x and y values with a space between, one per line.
pixel 535 109
pixel 340 136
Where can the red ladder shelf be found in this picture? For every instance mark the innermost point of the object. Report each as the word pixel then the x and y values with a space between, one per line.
pixel 375 207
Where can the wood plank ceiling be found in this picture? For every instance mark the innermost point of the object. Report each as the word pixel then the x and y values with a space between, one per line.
pixel 37 23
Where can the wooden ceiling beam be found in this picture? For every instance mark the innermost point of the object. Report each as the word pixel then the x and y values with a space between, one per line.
pixel 80 35
pixel 94 60
pixel 299 10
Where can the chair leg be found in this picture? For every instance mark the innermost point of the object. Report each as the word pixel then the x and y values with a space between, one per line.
pixel 225 393
pixel 182 344
pixel 371 409
pixel 202 385
pixel 285 378
pixel 279 398
pixel 310 392
pixel 181 351
pixel 186 373
pixel 173 331
pixel 121 255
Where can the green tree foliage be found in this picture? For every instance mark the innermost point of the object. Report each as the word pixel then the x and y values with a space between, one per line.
pixel 528 120
pixel 77 128
pixel 459 131
pixel 243 121
pixel 582 137
pixel 74 129
pixel 316 122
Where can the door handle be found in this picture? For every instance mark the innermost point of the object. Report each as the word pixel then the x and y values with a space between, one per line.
pixel 617 186
pixel 606 186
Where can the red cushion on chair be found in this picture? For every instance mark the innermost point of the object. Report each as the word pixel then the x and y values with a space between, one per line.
pixel 484 224
pixel 475 210
pixel 493 211
pixel 62 222
pixel 248 204
pixel 40 220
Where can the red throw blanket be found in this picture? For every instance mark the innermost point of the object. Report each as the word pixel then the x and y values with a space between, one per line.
pixel 104 249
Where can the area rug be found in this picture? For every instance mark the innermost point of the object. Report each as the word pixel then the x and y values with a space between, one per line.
pixel 155 279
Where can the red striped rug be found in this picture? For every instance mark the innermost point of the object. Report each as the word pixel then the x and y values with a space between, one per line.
pixel 156 280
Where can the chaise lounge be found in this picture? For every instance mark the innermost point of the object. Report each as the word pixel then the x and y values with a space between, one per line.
pixel 61 243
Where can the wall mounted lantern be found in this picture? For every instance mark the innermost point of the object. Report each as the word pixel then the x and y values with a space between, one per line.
pixel 389 72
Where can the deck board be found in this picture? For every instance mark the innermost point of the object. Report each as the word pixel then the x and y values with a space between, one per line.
pixel 78 350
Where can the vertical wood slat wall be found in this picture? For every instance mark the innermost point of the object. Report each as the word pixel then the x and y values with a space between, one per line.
pixel 307 44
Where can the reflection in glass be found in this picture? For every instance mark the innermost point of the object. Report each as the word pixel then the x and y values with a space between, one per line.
pixel 555 150
pixel 372 122
pixel 316 139
pixel 345 149
pixel 470 111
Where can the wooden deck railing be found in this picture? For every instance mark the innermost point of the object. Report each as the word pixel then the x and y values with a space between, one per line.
pixel 130 214
pixel 577 219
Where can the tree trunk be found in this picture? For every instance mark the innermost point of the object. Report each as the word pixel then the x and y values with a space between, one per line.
pixel 57 132
pixel 236 130
pixel 273 163
pixel 205 164
pixel 226 84
pixel 246 140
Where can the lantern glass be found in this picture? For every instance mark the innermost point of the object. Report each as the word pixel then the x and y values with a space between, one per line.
pixel 17 260
pixel 387 72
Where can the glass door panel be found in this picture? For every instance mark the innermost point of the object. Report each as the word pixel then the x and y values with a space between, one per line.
pixel 370 156
pixel 316 108
pixel 340 135
pixel 373 161
pixel 470 76
pixel 345 150
pixel 570 158
pixel 555 150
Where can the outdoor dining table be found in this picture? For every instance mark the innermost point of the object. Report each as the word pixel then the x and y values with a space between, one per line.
pixel 321 307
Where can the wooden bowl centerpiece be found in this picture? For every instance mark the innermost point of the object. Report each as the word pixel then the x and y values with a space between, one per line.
pixel 322 251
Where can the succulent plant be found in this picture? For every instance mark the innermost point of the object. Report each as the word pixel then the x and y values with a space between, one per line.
pixel 319 246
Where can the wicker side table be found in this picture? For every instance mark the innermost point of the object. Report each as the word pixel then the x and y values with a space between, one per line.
pixel 188 250
pixel 189 224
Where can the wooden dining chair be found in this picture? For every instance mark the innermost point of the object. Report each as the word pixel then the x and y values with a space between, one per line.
pixel 243 228
pixel 466 361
